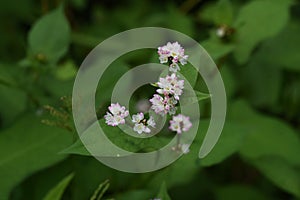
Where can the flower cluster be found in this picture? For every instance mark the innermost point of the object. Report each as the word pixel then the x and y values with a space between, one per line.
pixel 173 54
pixel 164 102
pixel 141 124
pixel 170 85
pixel 116 115
pixel 171 88
pixel 163 105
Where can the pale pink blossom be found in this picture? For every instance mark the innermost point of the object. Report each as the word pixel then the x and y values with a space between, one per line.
pixel 170 85
pixel 174 53
pixel 163 105
pixel 141 124
pixel 116 115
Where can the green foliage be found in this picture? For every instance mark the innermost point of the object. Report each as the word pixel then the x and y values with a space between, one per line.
pixel 108 81
pixel 230 142
pixel 280 173
pixel 66 71
pixel 49 37
pixel 56 192
pixel 119 138
pixel 12 103
pixel 253 24
pixel 219 13
pixel 282 49
pixel 265 90
pixel 271 137
pixel 216 48
pixel 26 149
pixel 76 148
pixel 188 98
pixel 272 147
pixel 190 73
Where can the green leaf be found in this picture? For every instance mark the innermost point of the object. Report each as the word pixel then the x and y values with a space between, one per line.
pixel 291 100
pixel 266 89
pixel 163 192
pixel 190 73
pixel 267 136
pixel 119 138
pixel 257 21
pixel 187 97
pixel 174 19
pixel 49 37
pixel 216 48
pixel 76 148
pixel 229 142
pixel 108 80
pixel 218 13
pixel 271 145
pixel 229 80
pixel 283 50
pixel 280 173
pixel 13 100
pixel 201 96
pixel 57 192
pixel 26 147
pixel 5 77
pixel 66 71
pixel 223 12
pixel 100 190
pixel 57 88
pixel 12 103
pixel 270 136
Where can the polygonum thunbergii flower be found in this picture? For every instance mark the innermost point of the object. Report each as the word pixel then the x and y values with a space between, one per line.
pixel 170 85
pixel 116 115
pixel 170 88
pixel 172 53
pixel 141 124
pixel 163 105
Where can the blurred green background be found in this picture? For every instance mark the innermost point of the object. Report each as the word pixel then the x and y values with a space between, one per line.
pixel 255 44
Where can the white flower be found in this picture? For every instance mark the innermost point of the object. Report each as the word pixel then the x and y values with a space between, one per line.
pixel 163 105
pixel 116 115
pixel 137 118
pixel 180 123
pixel 142 125
pixel 174 53
pixel 116 109
pixel 140 128
pixel 170 85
